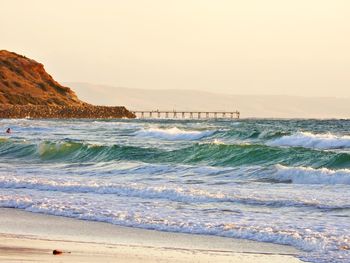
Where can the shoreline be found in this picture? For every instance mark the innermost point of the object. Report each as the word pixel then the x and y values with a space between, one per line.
pixel 33 236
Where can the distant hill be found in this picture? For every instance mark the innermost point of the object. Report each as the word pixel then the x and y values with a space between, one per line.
pixel 249 106
pixel 24 81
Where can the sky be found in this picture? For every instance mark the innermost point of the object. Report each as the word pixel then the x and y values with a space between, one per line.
pixel 275 47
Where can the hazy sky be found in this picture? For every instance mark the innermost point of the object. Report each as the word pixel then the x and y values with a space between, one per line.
pixel 294 47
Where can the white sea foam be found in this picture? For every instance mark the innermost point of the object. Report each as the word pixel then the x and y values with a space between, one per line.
pixel 217 142
pixel 169 192
pixel 173 134
pixel 311 140
pixel 310 212
pixel 114 124
pixel 308 175
pixel 255 226
pixel 177 194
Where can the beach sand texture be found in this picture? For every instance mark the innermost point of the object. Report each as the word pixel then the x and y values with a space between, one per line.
pixel 28 237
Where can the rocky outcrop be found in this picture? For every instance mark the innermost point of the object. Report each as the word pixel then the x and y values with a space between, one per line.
pixel 46 112
pixel 26 90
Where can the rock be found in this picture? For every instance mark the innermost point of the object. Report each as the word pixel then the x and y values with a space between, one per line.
pixel 66 112
pixel 57 252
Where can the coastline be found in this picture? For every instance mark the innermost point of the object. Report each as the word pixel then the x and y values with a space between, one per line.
pixel 26 236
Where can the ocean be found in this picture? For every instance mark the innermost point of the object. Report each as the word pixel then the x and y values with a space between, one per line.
pixel 278 181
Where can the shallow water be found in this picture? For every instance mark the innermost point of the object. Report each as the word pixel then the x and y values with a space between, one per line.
pixel 280 181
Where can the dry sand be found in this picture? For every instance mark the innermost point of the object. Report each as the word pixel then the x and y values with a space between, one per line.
pixel 29 237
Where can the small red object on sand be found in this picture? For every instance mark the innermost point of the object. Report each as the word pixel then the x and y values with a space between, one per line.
pixel 57 252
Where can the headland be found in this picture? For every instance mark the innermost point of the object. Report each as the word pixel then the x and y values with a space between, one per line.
pixel 28 91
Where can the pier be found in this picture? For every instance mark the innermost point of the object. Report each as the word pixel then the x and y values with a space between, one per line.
pixel 166 114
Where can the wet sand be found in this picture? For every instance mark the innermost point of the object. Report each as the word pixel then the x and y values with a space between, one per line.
pixel 31 237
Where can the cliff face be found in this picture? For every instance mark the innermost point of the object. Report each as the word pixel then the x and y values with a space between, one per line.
pixel 24 81
pixel 27 91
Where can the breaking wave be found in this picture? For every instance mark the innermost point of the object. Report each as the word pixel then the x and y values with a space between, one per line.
pixel 215 153
pixel 262 179
pixel 308 175
pixel 311 140
pixel 173 134
pixel 170 193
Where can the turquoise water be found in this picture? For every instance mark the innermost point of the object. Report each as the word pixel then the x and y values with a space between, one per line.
pixel 280 181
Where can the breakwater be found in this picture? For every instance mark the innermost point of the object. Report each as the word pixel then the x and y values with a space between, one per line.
pixel 63 112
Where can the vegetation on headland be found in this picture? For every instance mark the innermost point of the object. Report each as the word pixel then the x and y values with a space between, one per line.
pixel 27 90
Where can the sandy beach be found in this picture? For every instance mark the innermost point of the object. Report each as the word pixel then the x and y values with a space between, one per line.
pixel 30 237
pixel 175 131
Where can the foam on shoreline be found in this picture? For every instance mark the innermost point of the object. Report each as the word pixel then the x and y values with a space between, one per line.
pixel 26 227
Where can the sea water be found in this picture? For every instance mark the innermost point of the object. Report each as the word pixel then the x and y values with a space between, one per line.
pixel 278 181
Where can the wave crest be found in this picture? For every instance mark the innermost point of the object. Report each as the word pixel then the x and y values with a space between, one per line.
pixel 173 134
pixel 308 175
pixel 210 153
pixel 310 140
